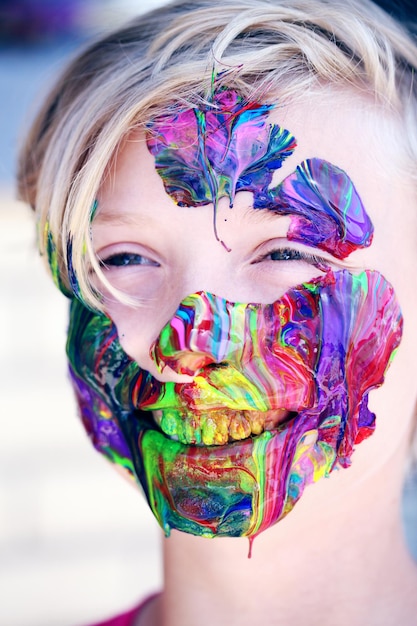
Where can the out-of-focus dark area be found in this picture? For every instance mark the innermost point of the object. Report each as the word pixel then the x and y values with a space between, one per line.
pixel 36 39
pixel 31 21
pixel 405 11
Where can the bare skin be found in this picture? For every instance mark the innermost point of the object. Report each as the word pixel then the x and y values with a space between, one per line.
pixel 339 558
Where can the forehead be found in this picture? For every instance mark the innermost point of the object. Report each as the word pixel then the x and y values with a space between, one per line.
pixel 344 130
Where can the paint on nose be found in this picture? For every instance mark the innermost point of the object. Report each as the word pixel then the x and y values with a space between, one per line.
pixel 252 350
pixel 205 330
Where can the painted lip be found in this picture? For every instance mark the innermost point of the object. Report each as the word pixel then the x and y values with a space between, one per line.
pixel 218 427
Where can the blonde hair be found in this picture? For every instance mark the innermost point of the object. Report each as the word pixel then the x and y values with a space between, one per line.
pixel 166 59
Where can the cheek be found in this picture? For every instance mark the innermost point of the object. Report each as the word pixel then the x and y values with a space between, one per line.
pixel 134 331
pixel 137 331
pixel 401 385
pixel 394 403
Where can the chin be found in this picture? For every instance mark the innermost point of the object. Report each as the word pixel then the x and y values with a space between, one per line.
pixel 238 489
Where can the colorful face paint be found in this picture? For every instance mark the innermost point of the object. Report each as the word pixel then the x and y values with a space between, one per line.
pixel 52 254
pixel 203 155
pixel 53 258
pixel 297 371
pixel 280 391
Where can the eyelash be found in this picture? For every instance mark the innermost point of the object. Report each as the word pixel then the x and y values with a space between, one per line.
pixel 124 259
pixel 291 254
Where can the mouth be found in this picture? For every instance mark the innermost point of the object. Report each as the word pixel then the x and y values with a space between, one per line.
pixel 201 480
pixel 217 427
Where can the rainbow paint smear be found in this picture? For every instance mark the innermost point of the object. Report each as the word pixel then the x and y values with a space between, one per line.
pixel 203 156
pixel 279 396
pixel 316 352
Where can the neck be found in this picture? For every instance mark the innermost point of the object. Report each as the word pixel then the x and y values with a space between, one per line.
pixel 336 559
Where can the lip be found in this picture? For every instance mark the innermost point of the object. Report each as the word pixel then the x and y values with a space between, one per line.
pixel 237 489
pixel 218 427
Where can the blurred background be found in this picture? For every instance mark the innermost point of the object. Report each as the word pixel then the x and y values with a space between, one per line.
pixel 77 543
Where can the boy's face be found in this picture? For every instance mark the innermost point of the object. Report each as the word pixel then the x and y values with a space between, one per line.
pixel 231 372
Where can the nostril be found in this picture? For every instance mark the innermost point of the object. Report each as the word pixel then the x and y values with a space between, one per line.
pixel 210 366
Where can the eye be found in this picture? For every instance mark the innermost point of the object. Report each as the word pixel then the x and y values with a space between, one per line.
pixel 286 255
pixel 126 259
pixel 292 254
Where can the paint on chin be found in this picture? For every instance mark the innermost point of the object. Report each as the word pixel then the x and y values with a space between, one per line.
pixel 336 336
pixel 312 356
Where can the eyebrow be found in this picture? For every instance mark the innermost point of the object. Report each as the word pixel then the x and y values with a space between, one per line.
pixel 260 214
pixel 113 217
pixel 121 218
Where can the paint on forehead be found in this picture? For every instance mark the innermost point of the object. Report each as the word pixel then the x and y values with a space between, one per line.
pixel 316 352
pixel 203 155
pixel 325 208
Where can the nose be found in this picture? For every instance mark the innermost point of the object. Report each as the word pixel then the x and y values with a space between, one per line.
pixel 269 351
pixel 205 330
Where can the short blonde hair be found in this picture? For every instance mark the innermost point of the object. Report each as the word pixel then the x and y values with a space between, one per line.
pixel 166 59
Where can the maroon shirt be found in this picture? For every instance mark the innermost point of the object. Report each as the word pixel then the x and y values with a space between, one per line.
pixel 128 618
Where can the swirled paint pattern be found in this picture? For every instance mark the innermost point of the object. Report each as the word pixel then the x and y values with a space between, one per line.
pixel 204 155
pixel 279 395
pixel 316 352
